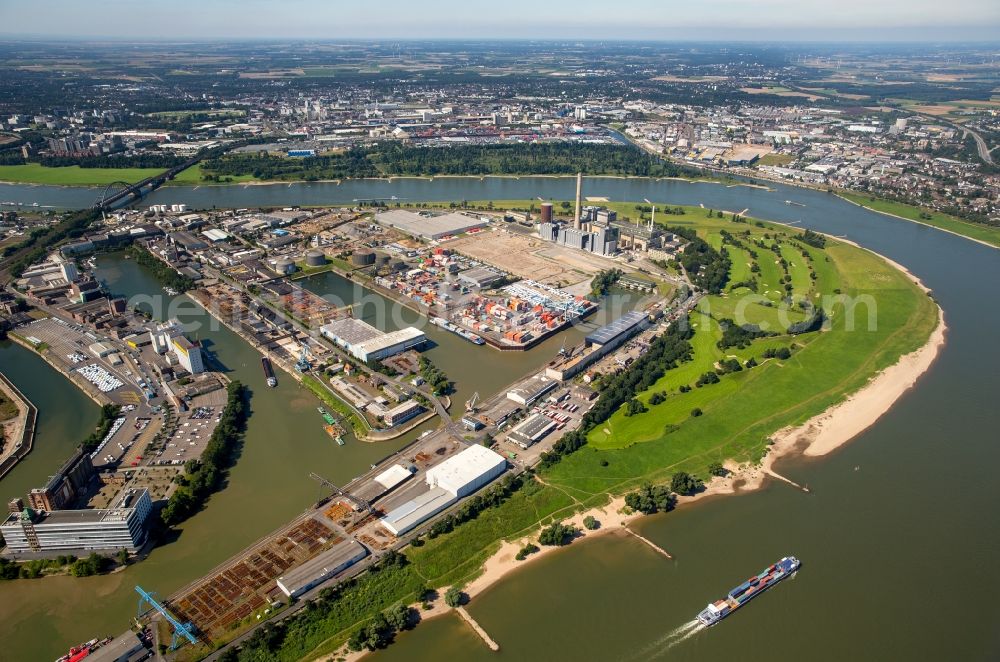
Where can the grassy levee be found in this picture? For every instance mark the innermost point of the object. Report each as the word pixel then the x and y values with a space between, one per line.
pixel 36 173
pixel 745 408
pixel 985 233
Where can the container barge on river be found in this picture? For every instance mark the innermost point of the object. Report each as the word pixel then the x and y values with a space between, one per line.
pixel 749 590
pixel 272 381
pixel 457 330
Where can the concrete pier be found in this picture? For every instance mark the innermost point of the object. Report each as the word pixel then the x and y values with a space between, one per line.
pixel 656 548
pixel 494 646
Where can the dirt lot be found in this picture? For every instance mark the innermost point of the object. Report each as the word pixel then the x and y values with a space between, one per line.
pixel 530 257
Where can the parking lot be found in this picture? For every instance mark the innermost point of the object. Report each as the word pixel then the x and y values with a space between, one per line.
pixel 69 346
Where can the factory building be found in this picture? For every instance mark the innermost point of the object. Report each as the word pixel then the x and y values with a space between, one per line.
pixel 189 354
pixel 614 334
pixel 366 343
pixel 72 479
pixel 314 572
pixel 430 226
pixel 456 477
pixel 532 430
pixel 600 240
pixel 597 345
pixel 479 276
pixel 402 413
pixel 61 531
pixel 526 393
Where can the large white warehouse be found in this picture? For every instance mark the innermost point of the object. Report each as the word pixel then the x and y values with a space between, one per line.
pixel 454 478
pixel 466 472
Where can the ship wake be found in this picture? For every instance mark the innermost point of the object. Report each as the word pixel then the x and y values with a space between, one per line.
pixel 669 640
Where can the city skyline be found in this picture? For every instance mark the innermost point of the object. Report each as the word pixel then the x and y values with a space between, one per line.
pixel 895 20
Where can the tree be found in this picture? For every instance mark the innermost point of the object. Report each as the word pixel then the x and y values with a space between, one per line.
pixel 526 551
pixel 454 597
pixel 650 499
pixel 590 523
pixel 400 617
pixel 122 556
pixel 696 412
pixel 557 534
pixel 634 406
pixel 684 483
pixel 657 398
pixel 716 469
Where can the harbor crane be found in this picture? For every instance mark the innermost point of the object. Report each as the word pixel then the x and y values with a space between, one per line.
pixel 178 630
pixel 470 404
pixel 303 364
pixel 360 504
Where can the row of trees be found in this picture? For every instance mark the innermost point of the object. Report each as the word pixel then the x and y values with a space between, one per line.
pixel 161 270
pixel 399 159
pixel 604 281
pixel 109 413
pixel 202 477
pixel 490 498
pixel 433 375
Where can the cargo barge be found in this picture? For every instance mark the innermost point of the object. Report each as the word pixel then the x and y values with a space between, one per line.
pixel 457 330
pixel 332 428
pixel 272 381
pixel 749 590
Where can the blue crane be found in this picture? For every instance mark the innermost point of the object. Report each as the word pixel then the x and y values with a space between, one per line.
pixel 178 629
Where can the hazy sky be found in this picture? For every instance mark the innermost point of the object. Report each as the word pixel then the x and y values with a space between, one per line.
pixel 784 20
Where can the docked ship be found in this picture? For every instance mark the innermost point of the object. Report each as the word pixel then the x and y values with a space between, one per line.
pixel 272 381
pixel 457 330
pixel 332 428
pixel 749 590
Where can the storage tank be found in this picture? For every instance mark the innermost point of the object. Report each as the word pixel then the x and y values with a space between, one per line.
pixel 284 265
pixel 315 258
pixel 363 258
pixel 546 212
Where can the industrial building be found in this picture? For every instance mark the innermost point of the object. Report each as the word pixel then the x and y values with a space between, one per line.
pixel 600 240
pixel 526 393
pixel 532 430
pixel 189 354
pixel 614 334
pixel 72 479
pixel 403 412
pixel 597 345
pixel 314 572
pixel 456 477
pixel 430 226
pixel 61 531
pixel 366 343
pixel 479 276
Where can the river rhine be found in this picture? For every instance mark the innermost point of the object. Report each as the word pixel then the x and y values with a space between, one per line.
pixel 896 536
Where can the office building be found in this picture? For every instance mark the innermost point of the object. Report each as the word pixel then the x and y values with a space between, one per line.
pixel 106 530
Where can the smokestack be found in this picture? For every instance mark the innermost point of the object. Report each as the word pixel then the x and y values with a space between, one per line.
pixel 579 194
pixel 652 219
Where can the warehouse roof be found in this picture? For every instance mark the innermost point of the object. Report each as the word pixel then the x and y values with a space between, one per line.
pixel 610 332
pixel 427 225
pixel 413 512
pixel 468 465
pixel 338 557
pixel 388 340
pixel 351 331
pixel 393 476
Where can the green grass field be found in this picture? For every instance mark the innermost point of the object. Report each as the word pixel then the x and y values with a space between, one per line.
pixel 35 173
pixel 745 408
pixel 985 233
